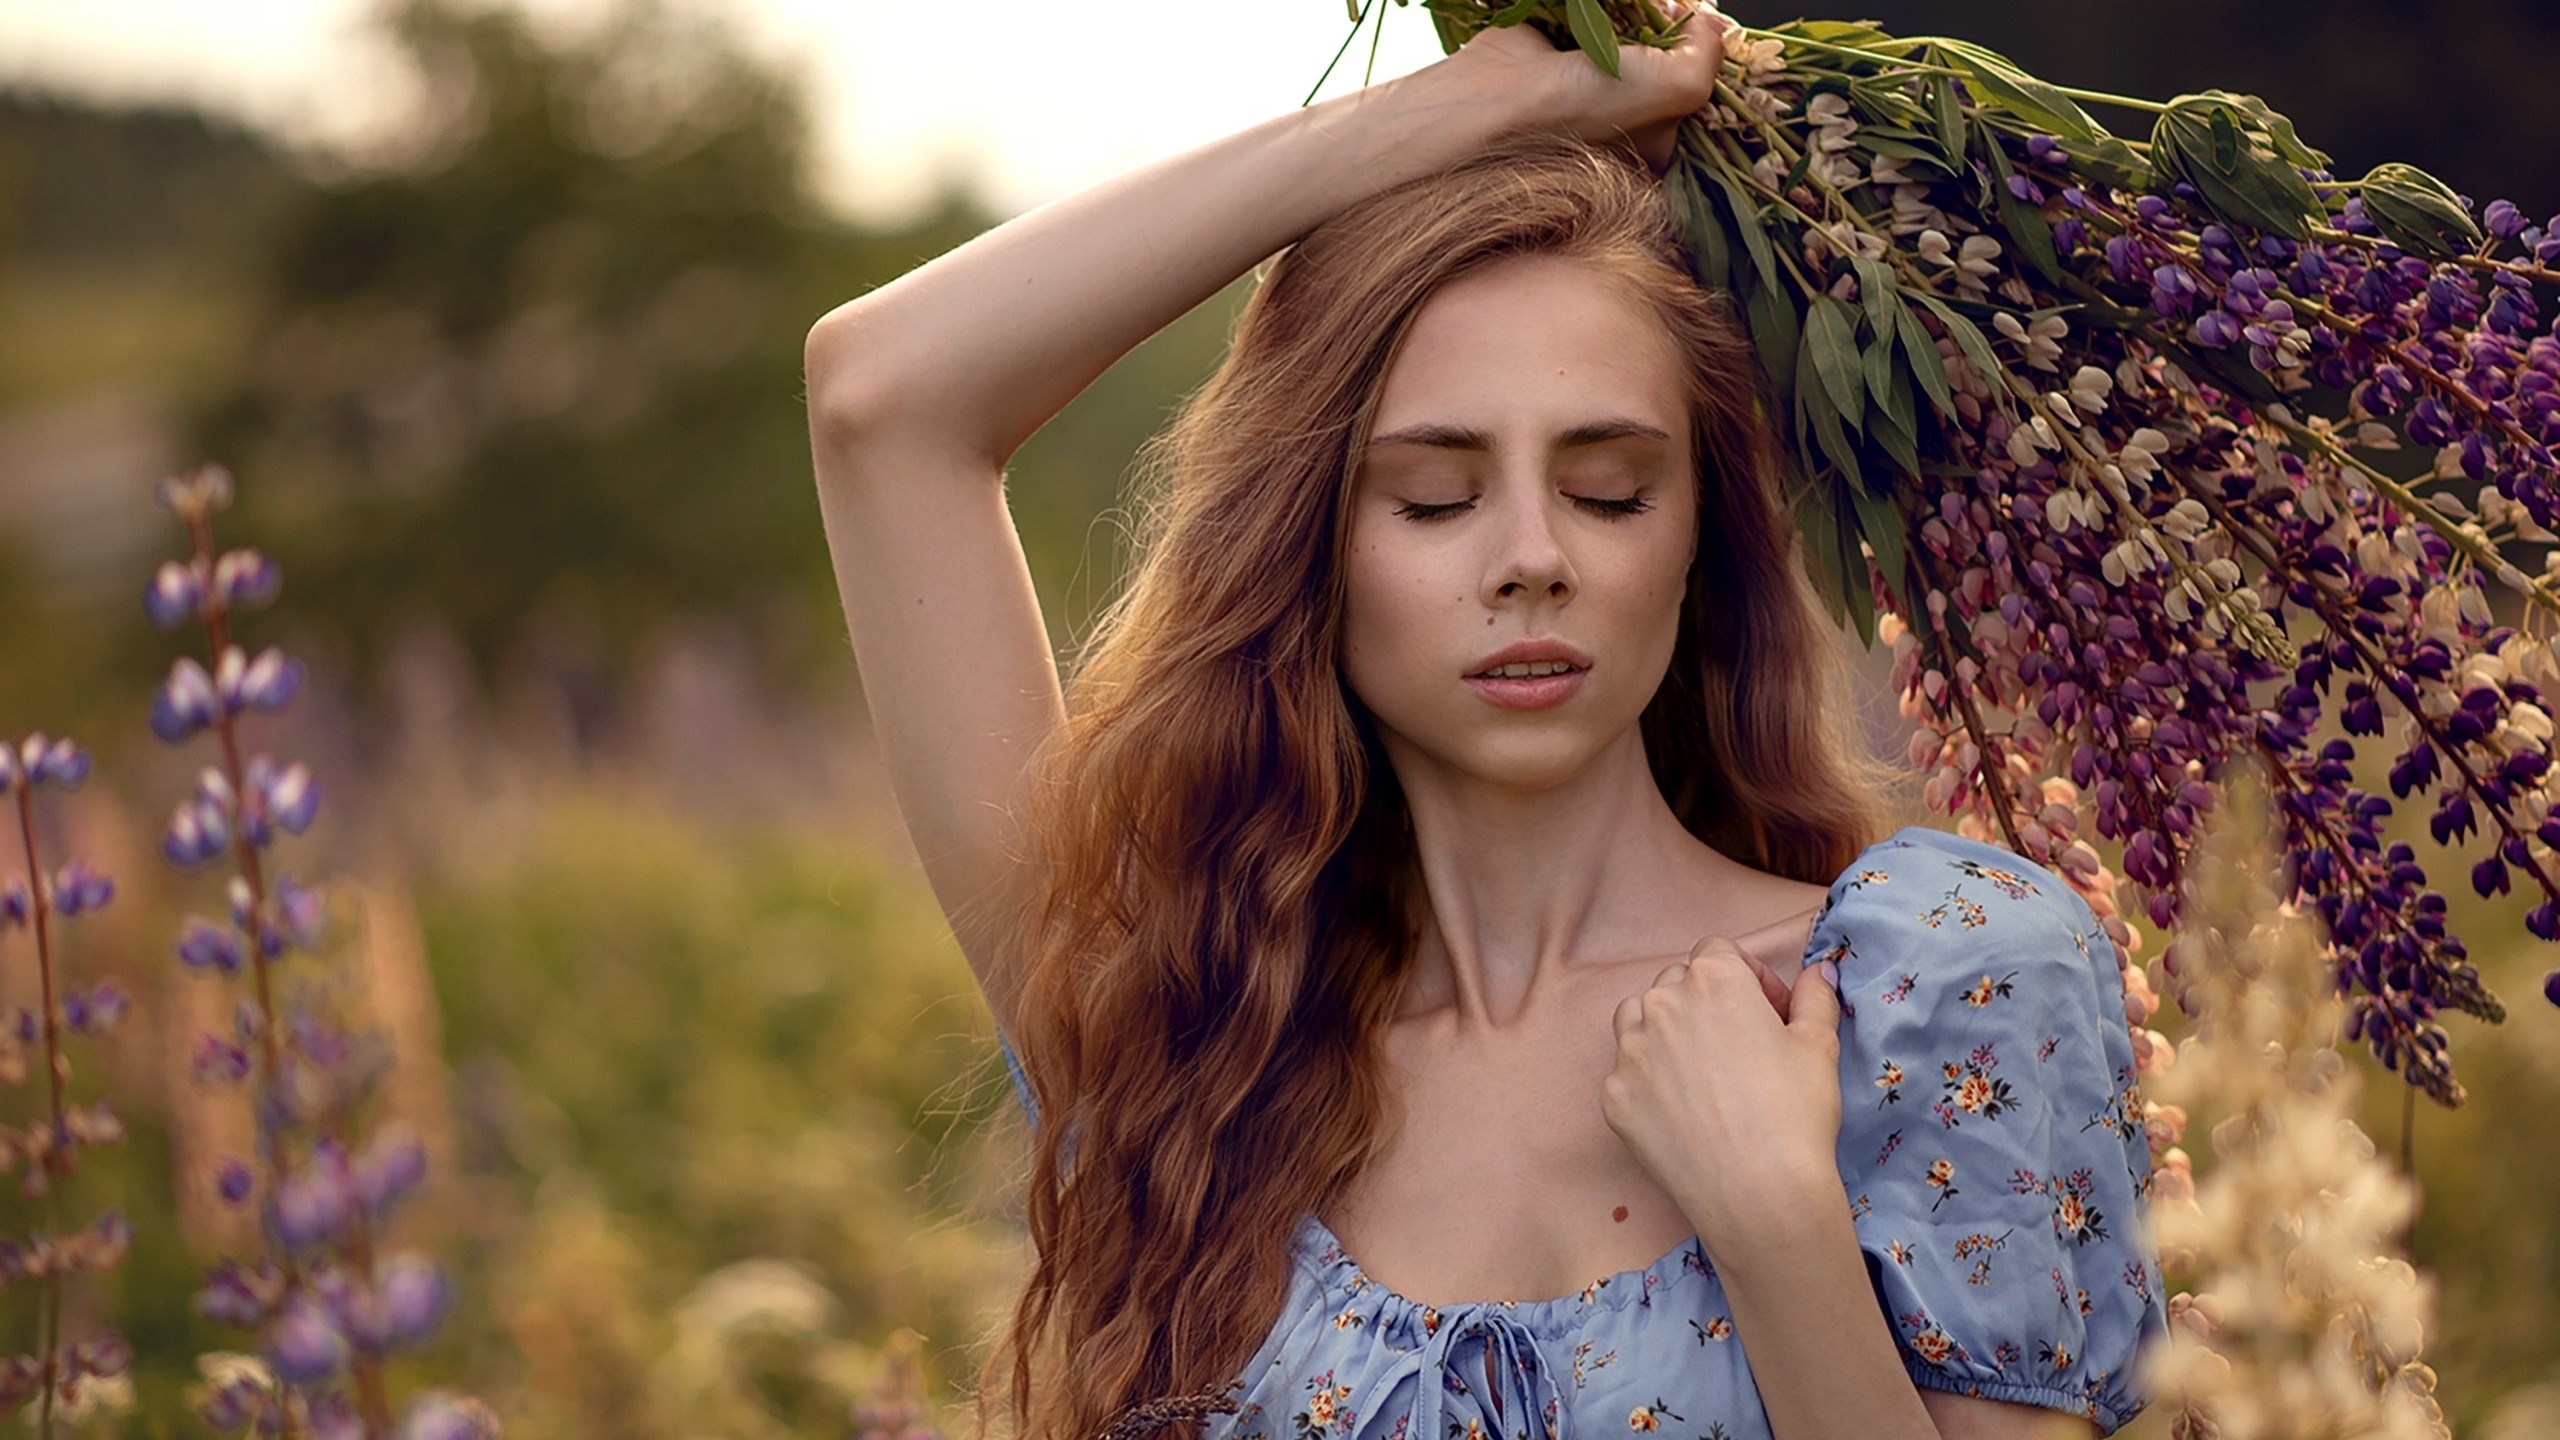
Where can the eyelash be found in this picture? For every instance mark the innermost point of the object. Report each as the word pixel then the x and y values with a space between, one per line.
pixel 1609 509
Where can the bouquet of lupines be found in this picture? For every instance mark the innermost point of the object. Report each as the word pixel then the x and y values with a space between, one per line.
pixel 328 1305
pixel 2150 452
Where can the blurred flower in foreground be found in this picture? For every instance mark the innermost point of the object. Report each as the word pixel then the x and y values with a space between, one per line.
pixel 328 1307
pixel 67 1381
pixel 2304 1321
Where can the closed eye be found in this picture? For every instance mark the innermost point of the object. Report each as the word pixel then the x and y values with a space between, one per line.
pixel 1613 509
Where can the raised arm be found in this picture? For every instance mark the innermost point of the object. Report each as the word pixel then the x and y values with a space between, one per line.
pixel 921 391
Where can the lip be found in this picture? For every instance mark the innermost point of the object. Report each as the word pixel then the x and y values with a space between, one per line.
pixel 1522 652
pixel 1536 693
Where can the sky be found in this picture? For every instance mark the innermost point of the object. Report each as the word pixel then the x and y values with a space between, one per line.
pixel 1032 100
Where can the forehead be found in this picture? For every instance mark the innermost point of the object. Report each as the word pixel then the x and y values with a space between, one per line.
pixel 1536 341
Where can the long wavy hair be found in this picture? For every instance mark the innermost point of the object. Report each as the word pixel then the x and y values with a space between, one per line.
pixel 1219 904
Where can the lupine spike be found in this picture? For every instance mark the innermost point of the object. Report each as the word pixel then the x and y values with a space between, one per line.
pixel 327 1307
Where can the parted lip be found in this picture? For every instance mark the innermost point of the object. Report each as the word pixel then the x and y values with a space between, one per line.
pixel 1521 652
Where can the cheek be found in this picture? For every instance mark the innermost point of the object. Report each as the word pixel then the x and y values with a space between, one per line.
pixel 1394 607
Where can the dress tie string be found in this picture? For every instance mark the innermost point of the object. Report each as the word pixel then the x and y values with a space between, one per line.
pixel 1481 1377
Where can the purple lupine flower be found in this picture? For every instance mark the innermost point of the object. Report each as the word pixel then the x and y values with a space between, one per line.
pixel 59 762
pixel 310 1207
pixel 246 579
pixel 2215 329
pixel 219 1062
pixel 197 833
pixel 285 797
pixel 78 889
pixel 235 1294
pixel 203 945
pixel 393 1166
pixel 2503 220
pixel 185 704
pixel 232 1180
pixel 300 912
pixel 265 683
pixel 414 1296
pixel 96 1011
pixel 175 595
pixel 15 904
pixel 305 1346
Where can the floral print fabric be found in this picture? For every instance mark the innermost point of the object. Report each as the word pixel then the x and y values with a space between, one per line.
pixel 1991 1154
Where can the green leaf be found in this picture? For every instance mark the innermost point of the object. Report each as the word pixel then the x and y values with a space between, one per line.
pixel 1882 524
pixel 2417 212
pixel 1880 293
pixel 1593 32
pixel 1875 140
pixel 1746 218
pixel 1892 422
pixel 1711 251
pixel 1831 348
pixel 1949 110
pixel 1821 531
pixel 1830 435
pixel 2027 229
pixel 1998 83
pixel 1855 34
pixel 1926 363
pixel 1853 577
pixel 1774 328
pixel 2227 146
pixel 2226 143
pixel 1968 337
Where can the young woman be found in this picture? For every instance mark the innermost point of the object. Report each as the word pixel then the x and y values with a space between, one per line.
pixel 1454 856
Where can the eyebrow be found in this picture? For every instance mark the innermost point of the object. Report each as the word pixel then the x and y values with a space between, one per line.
pixel 1459 437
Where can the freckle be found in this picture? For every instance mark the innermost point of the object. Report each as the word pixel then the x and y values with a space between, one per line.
pixel 1619 1214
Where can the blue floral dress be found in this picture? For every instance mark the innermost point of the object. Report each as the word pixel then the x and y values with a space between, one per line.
pixel 1992 1157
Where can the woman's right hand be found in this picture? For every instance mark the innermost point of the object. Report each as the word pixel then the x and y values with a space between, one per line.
pixel 1642 106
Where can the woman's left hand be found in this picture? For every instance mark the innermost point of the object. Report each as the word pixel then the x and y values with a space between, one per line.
pixel 1730 1100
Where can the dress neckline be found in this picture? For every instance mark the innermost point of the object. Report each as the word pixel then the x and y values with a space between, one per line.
pixel 1324 1251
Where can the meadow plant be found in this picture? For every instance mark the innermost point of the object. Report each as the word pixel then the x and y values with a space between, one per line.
pixel 2303 1320
pixel 328 1305
pixel 62 1378
pixel 2149 455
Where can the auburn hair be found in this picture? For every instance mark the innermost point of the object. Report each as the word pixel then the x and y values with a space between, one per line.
pixel 1219 879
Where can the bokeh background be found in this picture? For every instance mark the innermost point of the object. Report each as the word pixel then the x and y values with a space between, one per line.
pixel 497 315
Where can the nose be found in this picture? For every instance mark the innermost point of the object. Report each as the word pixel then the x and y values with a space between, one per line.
pixel 1528 559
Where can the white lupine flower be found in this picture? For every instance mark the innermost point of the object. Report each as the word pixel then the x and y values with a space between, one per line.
pixel 2374 435
pixel 2041 338
pixel 1887 170
pixel 1756 59
pixel 2475 605
pixel 1914 214
pixel 2187 519
pixel 2305 1320
pixel 1934 247
pixel 2530 719
pixel 2090 387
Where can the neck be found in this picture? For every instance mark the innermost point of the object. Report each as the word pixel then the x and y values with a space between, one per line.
pixel 1518 885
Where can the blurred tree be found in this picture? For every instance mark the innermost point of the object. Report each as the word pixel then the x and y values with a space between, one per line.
pixel 544 383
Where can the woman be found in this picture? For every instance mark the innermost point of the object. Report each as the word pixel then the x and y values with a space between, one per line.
pixel 1429 866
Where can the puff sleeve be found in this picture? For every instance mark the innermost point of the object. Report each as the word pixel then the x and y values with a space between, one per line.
pixel 1991 1139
